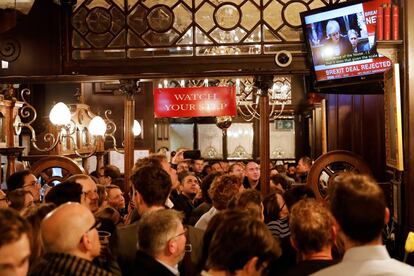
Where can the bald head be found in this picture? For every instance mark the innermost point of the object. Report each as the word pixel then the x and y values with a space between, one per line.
pixel 67 228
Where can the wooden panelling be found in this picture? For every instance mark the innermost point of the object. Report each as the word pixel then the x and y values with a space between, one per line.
pixel 356 123
pixel 38 39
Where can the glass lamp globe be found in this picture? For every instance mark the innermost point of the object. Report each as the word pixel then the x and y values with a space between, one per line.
pixel 97 126
pixel 60 114
pixel 136 129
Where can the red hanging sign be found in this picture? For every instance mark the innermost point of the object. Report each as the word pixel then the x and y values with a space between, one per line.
pixel 195 102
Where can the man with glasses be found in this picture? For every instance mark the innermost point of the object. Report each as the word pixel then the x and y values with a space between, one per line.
pixel 26 180
pixel 161 239
pixel 89 196
pixel 71 241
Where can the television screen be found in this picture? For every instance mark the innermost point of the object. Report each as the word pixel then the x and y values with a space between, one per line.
pixel 341 40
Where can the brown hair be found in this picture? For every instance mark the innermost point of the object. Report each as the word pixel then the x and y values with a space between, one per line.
pixel 253 240
pixel 358 204
pixel 16 198
pixel 223 189
pixel 251 201
pixel 310 226
pixel 12 226
pixel 34 216
pixel 153 183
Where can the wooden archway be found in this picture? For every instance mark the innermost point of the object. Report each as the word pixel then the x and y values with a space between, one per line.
pixel 331 164
pixel 43 168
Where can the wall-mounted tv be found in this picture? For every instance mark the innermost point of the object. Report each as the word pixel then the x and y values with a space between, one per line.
pixel 341 42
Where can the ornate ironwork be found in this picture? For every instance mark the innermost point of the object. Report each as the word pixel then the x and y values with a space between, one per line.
pixel 9 49
pixel 118 29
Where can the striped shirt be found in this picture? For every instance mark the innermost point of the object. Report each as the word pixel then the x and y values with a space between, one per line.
pixel 62 264
pixel 279 228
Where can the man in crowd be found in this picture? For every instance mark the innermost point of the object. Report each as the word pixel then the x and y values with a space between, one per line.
pixel 115 198
pixel 71 241
pixel 108 174
pixel 197 166
pixel 189 187
pixel 303 168
pixel 254 250
pixel 161 239
pixel 89 196
pixel 252 176
pixel 151 188
pixel 183 166
pixel 358 205
pixel 237 169
pixel 26 180
pixel 312 235
pixel 14 243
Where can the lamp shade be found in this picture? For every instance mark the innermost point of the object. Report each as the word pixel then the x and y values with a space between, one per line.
pixel 97 126
pixel 60 114
pixel 136 129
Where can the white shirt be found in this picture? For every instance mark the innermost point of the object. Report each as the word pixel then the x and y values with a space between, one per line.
pixel 205 219
pixel 367 260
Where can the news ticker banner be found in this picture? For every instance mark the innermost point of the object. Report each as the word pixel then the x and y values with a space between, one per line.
pixel 195 102
pixel 354 69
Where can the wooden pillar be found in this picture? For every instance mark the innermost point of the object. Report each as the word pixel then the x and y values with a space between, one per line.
pixel 129 114
pixel 264 144
pixel 408 118
pixel 129 88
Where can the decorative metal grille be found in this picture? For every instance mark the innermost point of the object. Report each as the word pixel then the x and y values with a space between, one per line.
pixel 130 29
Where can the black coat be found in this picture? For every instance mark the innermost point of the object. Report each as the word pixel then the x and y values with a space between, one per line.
pixel 145 265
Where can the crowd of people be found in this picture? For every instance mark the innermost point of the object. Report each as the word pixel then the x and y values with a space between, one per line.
pixel 189 217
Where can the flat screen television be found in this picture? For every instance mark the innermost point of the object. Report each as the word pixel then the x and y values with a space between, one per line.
pixel 341 43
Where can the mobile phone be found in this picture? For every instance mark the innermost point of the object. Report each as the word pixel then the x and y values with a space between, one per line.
pixel 192 154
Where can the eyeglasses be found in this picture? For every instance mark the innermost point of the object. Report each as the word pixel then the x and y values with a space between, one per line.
pixel 89 194
pixel 96 225
pixel 31 184
pixel 182 233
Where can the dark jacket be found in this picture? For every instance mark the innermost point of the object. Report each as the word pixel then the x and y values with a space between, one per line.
pixel 146 265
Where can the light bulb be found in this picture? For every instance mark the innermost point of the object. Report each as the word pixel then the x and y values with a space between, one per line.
pixel 97 126
pixel 136 129
pixel 60 114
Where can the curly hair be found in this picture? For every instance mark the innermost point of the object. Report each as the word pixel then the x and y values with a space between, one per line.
pixel 223 189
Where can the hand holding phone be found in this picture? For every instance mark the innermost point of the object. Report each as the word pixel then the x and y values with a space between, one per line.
pixel 192 154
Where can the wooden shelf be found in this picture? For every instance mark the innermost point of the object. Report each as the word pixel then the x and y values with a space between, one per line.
pixel 389 42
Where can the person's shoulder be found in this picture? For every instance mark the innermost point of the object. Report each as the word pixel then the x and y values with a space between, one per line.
pixel 336 269
pixel 402 268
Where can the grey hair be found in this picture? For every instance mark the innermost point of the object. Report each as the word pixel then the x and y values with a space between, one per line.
pixel 331 27
pixel 156 228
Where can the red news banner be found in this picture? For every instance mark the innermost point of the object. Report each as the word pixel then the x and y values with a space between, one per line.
pixel 194 102
pixel 376 65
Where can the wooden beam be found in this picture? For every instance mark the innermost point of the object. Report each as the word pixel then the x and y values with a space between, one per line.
pixel 264 144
